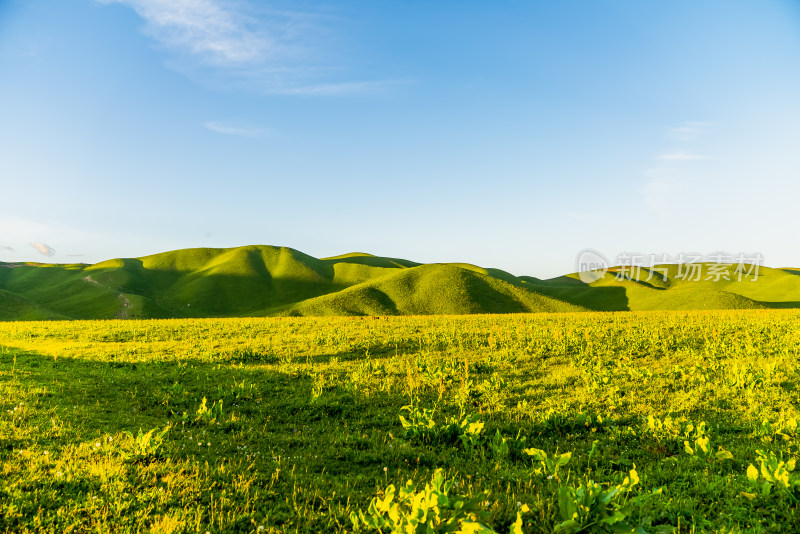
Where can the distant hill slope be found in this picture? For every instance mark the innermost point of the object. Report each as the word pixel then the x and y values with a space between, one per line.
pixel 263 280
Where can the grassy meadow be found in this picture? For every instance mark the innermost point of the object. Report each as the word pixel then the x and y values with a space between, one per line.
pixel 572 422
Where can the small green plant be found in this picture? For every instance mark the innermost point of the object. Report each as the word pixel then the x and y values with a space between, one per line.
pixel 420 423
pixel 176 389
pixel 743 376
pixel 146 444
pixel 591 507
pixel 443 371
pixel 498 445
pixel 661 429
pixel 431 509
pixel 547 466
pixel 463 393
pixel 320 384
pixel 491 392
pixel 468 429
pixel 773 472
pixel 786 428
pixel 695 437
pixel 209 414
pixel 700 444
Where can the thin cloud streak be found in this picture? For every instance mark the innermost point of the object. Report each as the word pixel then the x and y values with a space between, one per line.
pixel 344 88
pixel 664 190
pixel 672 178
pixel 681 156
pixel 689 131
pixel 227 129
pixel 45 250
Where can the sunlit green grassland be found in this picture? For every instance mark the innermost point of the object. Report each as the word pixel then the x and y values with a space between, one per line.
pixel 569 422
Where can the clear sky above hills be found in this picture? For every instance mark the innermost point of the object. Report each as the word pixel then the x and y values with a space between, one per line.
pixel 508 134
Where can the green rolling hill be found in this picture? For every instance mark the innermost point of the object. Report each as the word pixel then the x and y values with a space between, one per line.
pixel 264 281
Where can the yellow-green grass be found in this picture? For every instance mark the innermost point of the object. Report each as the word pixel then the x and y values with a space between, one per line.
pixel 302 427
pixel 272 281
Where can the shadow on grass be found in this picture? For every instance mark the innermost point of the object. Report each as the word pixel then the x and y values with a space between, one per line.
pixel 96 397
pixel 781 305
pixel 590 297
pixel 377 351
pixel 331 443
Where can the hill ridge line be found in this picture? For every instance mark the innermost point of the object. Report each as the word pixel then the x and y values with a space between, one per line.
pixel 267 280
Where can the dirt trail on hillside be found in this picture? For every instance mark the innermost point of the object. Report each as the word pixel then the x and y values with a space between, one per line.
pixel 125 302
pixel 124 312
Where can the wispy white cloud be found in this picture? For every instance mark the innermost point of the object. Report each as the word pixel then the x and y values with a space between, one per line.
pixel 241 43
pixel 342 88
pixel 23 233
pixel 681 156
pixel 664 190
pixel 673 180
pixel 43 249
pixel 211 29
pixel 228 129
pixel 689 131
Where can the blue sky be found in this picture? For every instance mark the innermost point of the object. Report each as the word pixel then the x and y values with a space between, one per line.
pixel 508 134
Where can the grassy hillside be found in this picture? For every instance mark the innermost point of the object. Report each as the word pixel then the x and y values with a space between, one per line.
pixel 15 307
pixel 439 289
pixel 264 280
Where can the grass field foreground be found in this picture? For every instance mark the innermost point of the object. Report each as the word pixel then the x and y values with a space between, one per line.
pixel 590 422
